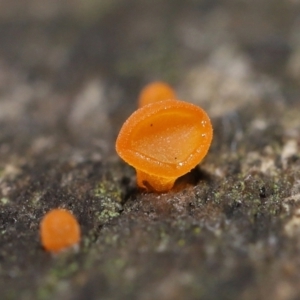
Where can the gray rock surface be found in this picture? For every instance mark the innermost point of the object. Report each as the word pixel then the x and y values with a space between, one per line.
pixel 70 73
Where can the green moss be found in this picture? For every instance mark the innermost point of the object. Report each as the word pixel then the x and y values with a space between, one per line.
pixel 197 231
pixel 110 197
pixel 111 239
pixel 4 200
pixel 113 268
pixel 181 243
pixel 36 197
pixel 65 270
pixel 61 269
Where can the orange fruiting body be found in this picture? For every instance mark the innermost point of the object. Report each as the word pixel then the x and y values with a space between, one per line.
pixel 163 141
pixel 155 91
pixel 59 229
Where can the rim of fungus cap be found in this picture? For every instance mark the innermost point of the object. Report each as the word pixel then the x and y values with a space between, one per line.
pixel 154 92
pixel 59 230
pixel 163 141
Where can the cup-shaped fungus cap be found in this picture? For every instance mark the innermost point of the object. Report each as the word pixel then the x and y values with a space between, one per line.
pixel 155 91
pixel 163 141
pixel 59 229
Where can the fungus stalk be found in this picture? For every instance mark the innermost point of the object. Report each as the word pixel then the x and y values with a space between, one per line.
pixel 153 182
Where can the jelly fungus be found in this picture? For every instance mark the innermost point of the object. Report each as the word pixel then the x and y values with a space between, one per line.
pixel 155 91
pixel 163 141
pixel 58 230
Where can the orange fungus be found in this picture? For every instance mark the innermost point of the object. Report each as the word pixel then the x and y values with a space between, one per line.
pixel 59 229
pixel 163 141
pixel 156 91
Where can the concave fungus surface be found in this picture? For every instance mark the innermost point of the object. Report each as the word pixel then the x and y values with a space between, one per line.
pixel 163 141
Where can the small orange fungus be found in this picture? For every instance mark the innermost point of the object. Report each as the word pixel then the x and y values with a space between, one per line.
pixel 156 91
pixel 59 229
pixel 163 141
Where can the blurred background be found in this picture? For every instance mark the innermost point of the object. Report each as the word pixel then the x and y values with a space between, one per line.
pixel 71 70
